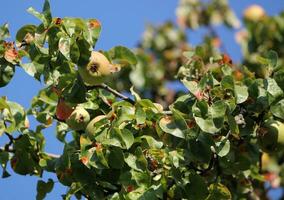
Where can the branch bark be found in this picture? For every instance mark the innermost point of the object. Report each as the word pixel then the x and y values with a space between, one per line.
pixel 113 91
pixel 9 150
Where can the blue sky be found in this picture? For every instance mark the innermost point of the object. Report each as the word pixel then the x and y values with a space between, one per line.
pixel 123 23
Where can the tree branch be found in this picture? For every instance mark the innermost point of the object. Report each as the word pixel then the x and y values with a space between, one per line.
pixel 7 150
pixel 111 90
pixel 167 112
pixel 11 139
pixel 13 151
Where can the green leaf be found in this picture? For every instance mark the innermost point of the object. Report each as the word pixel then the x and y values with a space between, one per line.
pixel 4 32
pixel 188 54
pixel 206 125
pixel 2 127
pixel 61 131
pixel 4 158
pixel 64 46
pixel 4 104
pixel 278 109
pixel 136 161
pixel 94 28
pixel 155 192
pixel 279 78
pixel 33 69
pixel 18 117
pixel 234 128
pixel 73 189
pixel 241 93
pixel 46 11
pixel 192 86
pixel 273 58
pixel 45 17
pixel 196 188
pixel 135 94
pixel 7 71
pixel 116 158
pixel 210 120
pixel 223 147
pixel 25 159
pixel 122 138
pixel 38 54
pixel 23 31
pixel 74 51
pixel 218 191
pixel 140 115
pixel 127 137
pixel 76 91
pixel 123 54
pixel 97 158
pixel 169 126
pixel 200 148
pixel 273 90
pixel 74 26
pixel 38 15
pixel 176 158
pixel 227 83
pixel 85 50
pixel 218 110
pixel 152 143
pixel 43 188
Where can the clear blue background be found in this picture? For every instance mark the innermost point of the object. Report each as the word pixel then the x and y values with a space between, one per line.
pixel 123 23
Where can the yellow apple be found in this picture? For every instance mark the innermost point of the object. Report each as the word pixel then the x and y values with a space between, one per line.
pixel 254 13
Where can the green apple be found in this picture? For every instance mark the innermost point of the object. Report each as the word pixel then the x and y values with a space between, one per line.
pixel 280 128
pixel 78 119
pixel 96 70
pixel 271 135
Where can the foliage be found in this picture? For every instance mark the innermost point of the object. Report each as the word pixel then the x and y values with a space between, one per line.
pixel 222 138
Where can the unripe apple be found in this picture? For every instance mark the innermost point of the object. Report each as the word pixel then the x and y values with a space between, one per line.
pixel 92 124
pixel 78 119
pixel 271 135
pixel 96 70
pixel 254 13
pixel 280 128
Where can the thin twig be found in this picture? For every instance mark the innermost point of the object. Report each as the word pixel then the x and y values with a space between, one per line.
pixel 7 150
pixel 111 90
pixel 52 155
pixel 10 138
pixel 167 112
pixel 13 151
